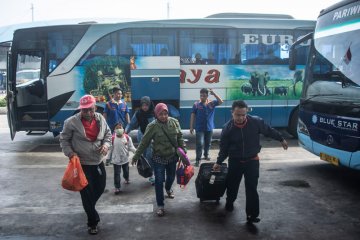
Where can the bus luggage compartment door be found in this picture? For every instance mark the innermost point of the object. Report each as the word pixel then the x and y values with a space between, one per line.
pixel 158 78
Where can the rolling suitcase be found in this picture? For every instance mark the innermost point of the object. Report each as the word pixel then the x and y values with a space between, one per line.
pixel 211 185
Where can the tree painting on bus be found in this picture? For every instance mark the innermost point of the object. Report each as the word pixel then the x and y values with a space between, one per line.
pixel 102 74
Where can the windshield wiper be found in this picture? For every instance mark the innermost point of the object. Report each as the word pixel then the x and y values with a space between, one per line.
pixel 344 80
pixel 319 95
pixel 346 103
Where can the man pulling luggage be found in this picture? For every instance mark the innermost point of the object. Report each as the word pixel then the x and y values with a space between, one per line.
pixel 240 141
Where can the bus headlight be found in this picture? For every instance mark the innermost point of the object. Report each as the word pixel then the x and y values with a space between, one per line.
pixel 302 127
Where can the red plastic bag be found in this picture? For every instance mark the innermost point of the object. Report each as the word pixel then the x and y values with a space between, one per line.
pixel 74 178
pixel 184 174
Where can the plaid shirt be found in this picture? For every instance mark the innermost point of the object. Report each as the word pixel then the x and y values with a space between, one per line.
pixel 163 160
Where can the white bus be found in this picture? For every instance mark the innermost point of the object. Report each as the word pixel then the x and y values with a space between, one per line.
pixel 239 56
pixel 329 113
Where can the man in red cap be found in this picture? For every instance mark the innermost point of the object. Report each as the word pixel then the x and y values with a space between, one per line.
pixel 87 135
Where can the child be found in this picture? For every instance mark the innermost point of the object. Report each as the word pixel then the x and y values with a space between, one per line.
pixel 122 144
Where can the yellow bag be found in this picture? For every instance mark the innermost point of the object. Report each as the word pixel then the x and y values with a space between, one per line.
pixel 74 178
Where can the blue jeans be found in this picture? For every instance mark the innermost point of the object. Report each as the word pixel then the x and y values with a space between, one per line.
pixel 203 140
pixel 160 170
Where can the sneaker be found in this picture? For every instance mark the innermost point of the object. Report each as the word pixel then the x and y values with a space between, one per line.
pixel 229 206
pixel 160 212
pixel 206 158
pixel 117 191
pixel 251 219
pixel 152 180
pixel 93 230
pixel 170 194
pixel 127 181
pixel 197 163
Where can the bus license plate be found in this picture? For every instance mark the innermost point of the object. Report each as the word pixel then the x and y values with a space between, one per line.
pixel 330 159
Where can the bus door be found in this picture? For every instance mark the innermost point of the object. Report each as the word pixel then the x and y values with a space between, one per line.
pixel 10 95
pixel 157 77
pixel 27 90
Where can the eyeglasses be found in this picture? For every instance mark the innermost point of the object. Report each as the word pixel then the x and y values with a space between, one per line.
pixel 85 110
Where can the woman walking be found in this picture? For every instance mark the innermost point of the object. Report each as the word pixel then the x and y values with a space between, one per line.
pixel 165 132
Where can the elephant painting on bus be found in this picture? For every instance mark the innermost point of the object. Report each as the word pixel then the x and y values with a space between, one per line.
pixel 258 83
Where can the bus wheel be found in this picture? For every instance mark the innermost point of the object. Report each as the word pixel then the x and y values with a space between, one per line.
pixel 292 127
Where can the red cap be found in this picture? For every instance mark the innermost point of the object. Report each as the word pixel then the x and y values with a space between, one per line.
pixel 87 101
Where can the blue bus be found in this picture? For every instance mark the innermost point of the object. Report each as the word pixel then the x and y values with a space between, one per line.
pixel 329 113
pixel 239 56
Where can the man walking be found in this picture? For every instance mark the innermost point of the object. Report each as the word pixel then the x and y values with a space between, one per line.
pixel 116 110
pixel 240 141
pixel 203 115
pixel 87 136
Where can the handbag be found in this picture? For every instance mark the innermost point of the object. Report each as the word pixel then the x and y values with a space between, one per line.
pixel 183 174
pixel 179 151
pixel 144 168
pixel 74 178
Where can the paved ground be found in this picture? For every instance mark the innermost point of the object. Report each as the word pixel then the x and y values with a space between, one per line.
pixel 301 197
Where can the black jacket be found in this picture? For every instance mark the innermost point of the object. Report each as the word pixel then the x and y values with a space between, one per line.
pixel 244 143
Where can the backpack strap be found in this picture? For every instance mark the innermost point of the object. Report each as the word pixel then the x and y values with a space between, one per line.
pixel 127 137
pixel 112 138
pixel 127 141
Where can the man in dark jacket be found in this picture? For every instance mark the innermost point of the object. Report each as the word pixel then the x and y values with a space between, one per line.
pixel 240 141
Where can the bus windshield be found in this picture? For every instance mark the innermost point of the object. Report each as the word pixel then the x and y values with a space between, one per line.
pixel 334 64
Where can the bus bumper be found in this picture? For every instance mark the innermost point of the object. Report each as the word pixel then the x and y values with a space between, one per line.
pixel 343 158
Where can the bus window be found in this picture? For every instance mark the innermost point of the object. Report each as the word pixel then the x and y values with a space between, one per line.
pixel 264 48
pixel 60 43
pixel 206 46
pixel 164 42
pixel 28 68
pixel 106 46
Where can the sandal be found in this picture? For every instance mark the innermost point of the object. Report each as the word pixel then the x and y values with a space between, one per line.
pixel 170 194
pixel 93 230
pixel 160 212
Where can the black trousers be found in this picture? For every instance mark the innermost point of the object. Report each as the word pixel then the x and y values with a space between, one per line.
pixel 250 170
pixel 96 176
pixel 117 173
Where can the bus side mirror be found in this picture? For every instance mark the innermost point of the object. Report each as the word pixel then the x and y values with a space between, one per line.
pixel 292 59
pixel 293 50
